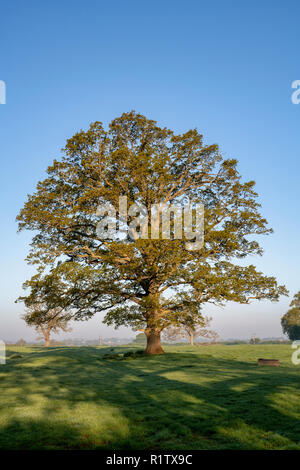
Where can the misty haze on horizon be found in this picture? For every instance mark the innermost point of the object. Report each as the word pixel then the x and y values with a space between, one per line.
pixel 234 321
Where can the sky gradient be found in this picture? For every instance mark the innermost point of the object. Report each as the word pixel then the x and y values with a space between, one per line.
pixel 223 67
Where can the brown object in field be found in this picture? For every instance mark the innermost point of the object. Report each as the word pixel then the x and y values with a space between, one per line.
pixel 268 362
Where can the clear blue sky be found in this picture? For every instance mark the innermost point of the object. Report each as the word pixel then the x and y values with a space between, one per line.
pixel 223 67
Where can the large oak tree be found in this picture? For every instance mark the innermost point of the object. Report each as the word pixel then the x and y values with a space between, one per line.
pixel 145 283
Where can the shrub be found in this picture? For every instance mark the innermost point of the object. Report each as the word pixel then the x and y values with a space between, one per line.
pixel 112 356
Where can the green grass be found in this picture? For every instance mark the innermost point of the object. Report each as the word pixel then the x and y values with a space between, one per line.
pixel 209 397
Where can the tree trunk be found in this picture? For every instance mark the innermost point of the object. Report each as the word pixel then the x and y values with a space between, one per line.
pixel 153 342
pixel 47 339
pixel 192 339
pixel 46 334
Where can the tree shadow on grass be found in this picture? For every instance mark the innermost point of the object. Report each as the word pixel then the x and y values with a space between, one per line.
pixel 36 434
pixel 179 401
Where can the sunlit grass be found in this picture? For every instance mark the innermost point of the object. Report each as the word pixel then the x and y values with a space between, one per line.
pixel 210 397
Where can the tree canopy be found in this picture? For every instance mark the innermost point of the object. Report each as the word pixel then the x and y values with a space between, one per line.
pixel 145 282
pixel 140 338
pixel 290 322
pixel 190 327
pixel 46 309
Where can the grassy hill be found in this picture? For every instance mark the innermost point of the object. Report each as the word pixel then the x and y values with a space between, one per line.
pixel 209 397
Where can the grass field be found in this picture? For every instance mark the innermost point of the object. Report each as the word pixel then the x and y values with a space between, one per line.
pixel 208 397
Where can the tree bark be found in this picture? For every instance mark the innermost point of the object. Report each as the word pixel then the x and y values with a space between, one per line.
pixel 46 334
pixel 47 338
pixel 153 342
pixel 192 339
pixel 47 341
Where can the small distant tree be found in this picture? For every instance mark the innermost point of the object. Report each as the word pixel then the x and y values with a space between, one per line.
pixel 290 322
pixel 21 342
pixel 46 321
pixel 214 336
pixel 46 307
pixel 254 340
pixel 190 328
pixel 140 338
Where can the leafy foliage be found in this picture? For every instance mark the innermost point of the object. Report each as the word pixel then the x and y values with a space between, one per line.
pixel 140 338
pixel 290 322
pixel 254 340
pixel 45 307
